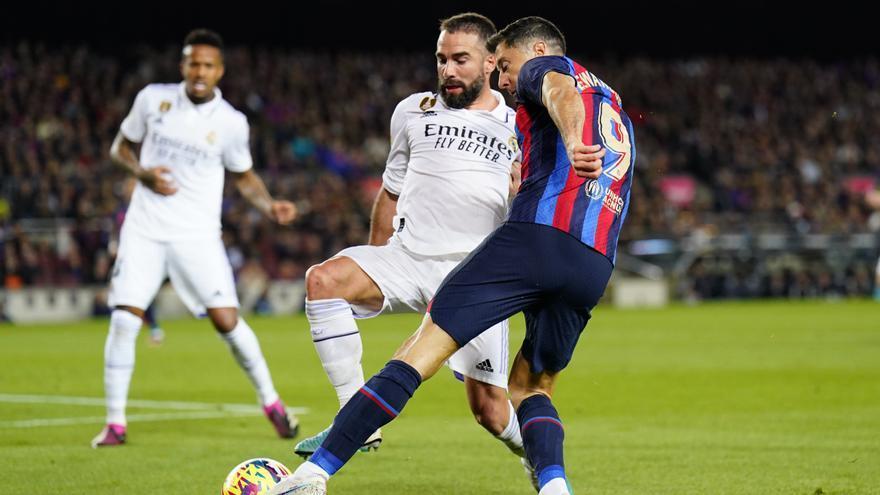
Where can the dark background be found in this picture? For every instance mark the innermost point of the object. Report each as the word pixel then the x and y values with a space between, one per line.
pixel 827 30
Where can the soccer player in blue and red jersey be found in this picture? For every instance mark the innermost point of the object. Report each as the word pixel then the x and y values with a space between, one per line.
pixel 551 259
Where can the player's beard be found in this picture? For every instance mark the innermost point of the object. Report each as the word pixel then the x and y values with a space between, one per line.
pixel 468 95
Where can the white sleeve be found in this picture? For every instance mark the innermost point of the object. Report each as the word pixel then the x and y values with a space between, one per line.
pixel 134 127
pixel 398 157
pixel 237 152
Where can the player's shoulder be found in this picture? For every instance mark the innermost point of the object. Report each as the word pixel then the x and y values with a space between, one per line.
pixel 233 116
pixel 159 90
pixel 511 113
pixel 419 102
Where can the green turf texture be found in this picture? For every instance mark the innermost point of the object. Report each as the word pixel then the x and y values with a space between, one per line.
pixel 734 398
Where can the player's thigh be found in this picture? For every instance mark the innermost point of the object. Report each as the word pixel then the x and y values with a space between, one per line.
pixel 138 272
pixel 396 273
pixel 201 274
pixel 578 276
pixel 552 333
pixel 493 283
pixel 485 357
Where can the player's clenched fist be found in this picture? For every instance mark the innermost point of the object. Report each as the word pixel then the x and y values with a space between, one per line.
pixel 283 212
pixel 586 159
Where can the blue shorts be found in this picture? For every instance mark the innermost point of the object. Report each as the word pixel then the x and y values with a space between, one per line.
pixel 552 277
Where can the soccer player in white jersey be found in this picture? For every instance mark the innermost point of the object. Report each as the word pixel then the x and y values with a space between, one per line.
pixel 189 136
pixel 447 181
pixel 873 200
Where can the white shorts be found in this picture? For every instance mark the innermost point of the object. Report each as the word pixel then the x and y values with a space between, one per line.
pixel 408 282
pixel 198 269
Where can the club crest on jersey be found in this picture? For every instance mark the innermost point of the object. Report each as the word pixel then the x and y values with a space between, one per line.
pixel 513 144
pixel 594 189
pixel 164 106
pixel 427 103
pixel 609 198
pixel 211 137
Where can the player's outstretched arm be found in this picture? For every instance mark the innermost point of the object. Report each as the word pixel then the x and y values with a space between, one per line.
pixel 123 155
pixel 566 108
pixel 254 191
pixel 382 217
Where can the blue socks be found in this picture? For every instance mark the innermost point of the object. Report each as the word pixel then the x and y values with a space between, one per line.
pixel 542 436
pixel 378 402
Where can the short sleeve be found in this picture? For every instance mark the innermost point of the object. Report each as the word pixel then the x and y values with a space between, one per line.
pixel 237 152
pixel 531 77
pixel 398 157
pixel 134 127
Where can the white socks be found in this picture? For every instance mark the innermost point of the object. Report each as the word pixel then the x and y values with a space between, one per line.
pixel 309 469
pixel 511 435
pixel 119 362
pixel 338 343
pixel 246 348
pixel 556 486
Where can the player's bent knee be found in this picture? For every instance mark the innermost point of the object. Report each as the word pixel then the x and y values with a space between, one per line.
pixel 224 320
pixel 322 282
pixel 131 309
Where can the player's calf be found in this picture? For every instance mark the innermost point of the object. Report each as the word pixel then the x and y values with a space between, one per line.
pixel 489 405
pixel 375 405
pixel 543 435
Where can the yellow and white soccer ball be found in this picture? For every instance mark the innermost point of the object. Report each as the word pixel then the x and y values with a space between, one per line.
pixel 254 477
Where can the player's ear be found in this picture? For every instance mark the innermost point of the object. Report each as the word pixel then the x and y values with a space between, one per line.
pixel 489 63
pixel 540 48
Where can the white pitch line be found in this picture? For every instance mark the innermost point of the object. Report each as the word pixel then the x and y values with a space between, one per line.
pixel 196 410
pixel 36 423
pixel 146 404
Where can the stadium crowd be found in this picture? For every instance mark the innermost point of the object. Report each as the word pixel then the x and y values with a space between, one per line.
pixel 725 145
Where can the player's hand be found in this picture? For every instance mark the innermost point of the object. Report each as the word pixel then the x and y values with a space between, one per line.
pixel 873 199
pixel 283 212
pixel 159 180
pixel 515 179
pixel 586 160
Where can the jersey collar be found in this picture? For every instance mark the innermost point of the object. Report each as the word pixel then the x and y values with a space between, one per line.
pixel 205 108
pixel 500 110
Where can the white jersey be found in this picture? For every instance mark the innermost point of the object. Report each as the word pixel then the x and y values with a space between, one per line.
pixel 451 169
pixel 198 143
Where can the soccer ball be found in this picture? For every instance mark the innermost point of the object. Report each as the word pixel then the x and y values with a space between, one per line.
pixel 254 477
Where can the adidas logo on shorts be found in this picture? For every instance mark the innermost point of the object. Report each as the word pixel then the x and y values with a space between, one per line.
pixel 485 366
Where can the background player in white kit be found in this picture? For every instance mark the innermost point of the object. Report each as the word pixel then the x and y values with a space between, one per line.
pixel 448 180
pixel 189 136
pixel 872 198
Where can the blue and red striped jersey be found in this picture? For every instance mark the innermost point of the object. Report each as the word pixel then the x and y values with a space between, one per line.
pixel 551 193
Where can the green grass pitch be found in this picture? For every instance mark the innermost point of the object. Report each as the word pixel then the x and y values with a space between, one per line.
pixel 735 398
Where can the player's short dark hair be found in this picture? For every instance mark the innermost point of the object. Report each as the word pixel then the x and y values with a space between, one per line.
pixel 469 22
pixel 528 29
pixel 203 37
